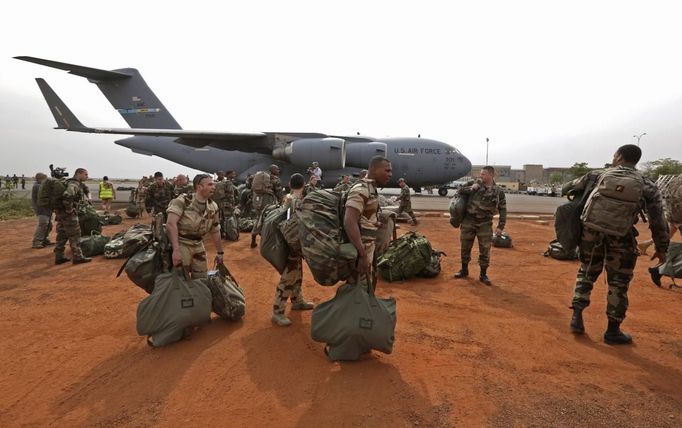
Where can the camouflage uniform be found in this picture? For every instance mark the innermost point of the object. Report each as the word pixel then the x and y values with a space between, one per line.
pixel 406 203
pixel 225 198
pixel 619 254
pixel 273 195
pixel 141 196
pixel 483 204
pixel 343 187
pixel 68 228
pixel 364 197
pixel 196 220
pixel 44 227
pixel 184 189
pixel 158 197
pixel 289 286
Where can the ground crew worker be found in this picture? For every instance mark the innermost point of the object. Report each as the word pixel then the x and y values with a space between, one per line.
pixel 106 193
pixel 191 217
pixel 404 200
pixel 618 253
pixel 485 199
pixel 40 237
pixel 181 186
pixel 261 198
pixel 290 281
pixel 360 221
pixel 68 228
pixel 159 194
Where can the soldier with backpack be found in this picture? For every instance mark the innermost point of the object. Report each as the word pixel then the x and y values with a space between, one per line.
pixel 66 216
pixel 159 194
pixel 360 220
pixel 608 236
pixel 289 286
pixel 405 201
pixel 266 189
pixel 484 200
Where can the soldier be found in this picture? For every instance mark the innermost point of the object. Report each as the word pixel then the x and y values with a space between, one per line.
pixel 289 286
pixel 344 185
pixel 405 202
pixel 159 194
pixel 181 186
pixel 674 217
pixel 66 217
pixel 598 248
pixel 141 194
pixel 313 185
pixel 40 237
pixel 262 197
pixel 485 199
pixel 191 216
pixel 360 221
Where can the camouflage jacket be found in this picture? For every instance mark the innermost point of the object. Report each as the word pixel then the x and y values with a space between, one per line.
pixel 158 197
pixel 277 188
pixel 141 194
pixel 364 197
pixel 404 197
pixel 308 188
pixel 179 190
pixel 342 187
pixel 196 219
pixel 485 202
pixel 228 202
pixel 74 195
pixel 652 205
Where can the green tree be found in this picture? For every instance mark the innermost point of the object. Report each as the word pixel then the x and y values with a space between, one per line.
pixel 556 178
pixel 579 169
pixel 666 166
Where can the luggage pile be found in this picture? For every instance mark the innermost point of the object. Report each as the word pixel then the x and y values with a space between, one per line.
pixel 408 256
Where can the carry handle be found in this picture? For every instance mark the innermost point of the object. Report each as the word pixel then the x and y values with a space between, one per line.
pixel 224 271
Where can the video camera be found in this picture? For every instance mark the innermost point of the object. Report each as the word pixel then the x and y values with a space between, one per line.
pixel 59 172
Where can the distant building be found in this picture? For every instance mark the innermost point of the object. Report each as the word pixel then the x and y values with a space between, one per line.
pixel 517 178
pixel 533 174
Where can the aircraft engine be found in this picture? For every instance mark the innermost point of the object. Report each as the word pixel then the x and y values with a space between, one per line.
pixel 359 154
pixel 329 152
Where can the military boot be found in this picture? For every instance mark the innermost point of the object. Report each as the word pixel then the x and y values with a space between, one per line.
pixel 655 275
pixel 577 325
pixel 464 272
pixel 483 277
pixel 253 241
pixel 302 305
pixel 614 335
pixel 82 259
pixel 281 320
pixel 60 258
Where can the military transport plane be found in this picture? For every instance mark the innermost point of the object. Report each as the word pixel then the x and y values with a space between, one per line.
pixel 421 161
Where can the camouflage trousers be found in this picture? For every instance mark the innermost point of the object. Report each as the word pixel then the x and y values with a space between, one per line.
pixel 408 210
pixel 620 256
pixel 42 232
pixel 68 229
pixel 193 256
pixel 483 231
pixel 289 286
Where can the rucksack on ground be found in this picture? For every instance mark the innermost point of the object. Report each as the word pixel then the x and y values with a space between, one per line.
pixel 328 253
pixel 227 297
pixel 556 251
pixel 88 219
pixel 614 203
pixel 135 238
pixel 405 257
pixel 175 305
pixel 674 198
pixel 261 183
pixel 502 241
pixel 93 244
pixel 246 224
pixel 432 269
pixel 110 219
pixel 51 193
pixel 354 322
pixel 273 247
pixel 114 248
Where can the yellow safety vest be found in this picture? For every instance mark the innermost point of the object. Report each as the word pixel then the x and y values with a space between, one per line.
pixel 106 191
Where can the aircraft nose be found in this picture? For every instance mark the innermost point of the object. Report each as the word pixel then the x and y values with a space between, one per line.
pixel 463 168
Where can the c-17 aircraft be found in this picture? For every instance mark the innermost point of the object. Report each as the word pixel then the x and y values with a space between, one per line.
pixel 421 161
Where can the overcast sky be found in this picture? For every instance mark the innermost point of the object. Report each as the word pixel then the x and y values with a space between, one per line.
pixel 548 82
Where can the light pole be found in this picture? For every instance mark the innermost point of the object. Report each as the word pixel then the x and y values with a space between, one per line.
pixel 486 150
pixel 639 137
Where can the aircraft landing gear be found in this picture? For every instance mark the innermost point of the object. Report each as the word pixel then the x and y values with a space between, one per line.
pixel 443 191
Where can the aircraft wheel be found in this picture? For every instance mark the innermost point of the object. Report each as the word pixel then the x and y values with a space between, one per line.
pixel 443 191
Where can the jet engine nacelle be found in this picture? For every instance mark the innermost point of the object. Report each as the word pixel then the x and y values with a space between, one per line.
pixel 329 153
pixel 359 154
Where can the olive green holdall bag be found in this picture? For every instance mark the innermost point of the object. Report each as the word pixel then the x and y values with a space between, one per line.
pixel 405 257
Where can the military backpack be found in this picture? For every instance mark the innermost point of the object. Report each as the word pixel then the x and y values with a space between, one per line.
pixel 261 183
pixel 614 203
pixel 405 257
pixel 88 219
pixel 458 207
pixel 51 193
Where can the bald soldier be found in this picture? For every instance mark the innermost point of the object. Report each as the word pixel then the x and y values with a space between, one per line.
pixel 190 218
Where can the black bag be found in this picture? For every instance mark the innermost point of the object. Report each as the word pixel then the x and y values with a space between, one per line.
pixel 273 246
pixel 109 219
pixel 567 223
pixel 502 241
pixel 228 298
pixel 93 245
pixel 557 251
pixel 132 210
pixel 354 322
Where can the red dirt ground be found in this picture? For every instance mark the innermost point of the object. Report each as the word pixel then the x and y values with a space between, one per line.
pixel 465 354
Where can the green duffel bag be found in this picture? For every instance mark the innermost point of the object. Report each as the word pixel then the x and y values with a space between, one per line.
pixel 135 238
pixel 405 257
pixel 143 267
pixel 93 245
pixel 176 305
pixel 109 219
pixel 230 228
pixel 432 269
pixel 273 247
pixel 227 296
pixel 354 322
pixel 88 220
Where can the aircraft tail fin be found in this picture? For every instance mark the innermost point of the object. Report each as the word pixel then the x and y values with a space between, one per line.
pixel 62 115
pixel 126 90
